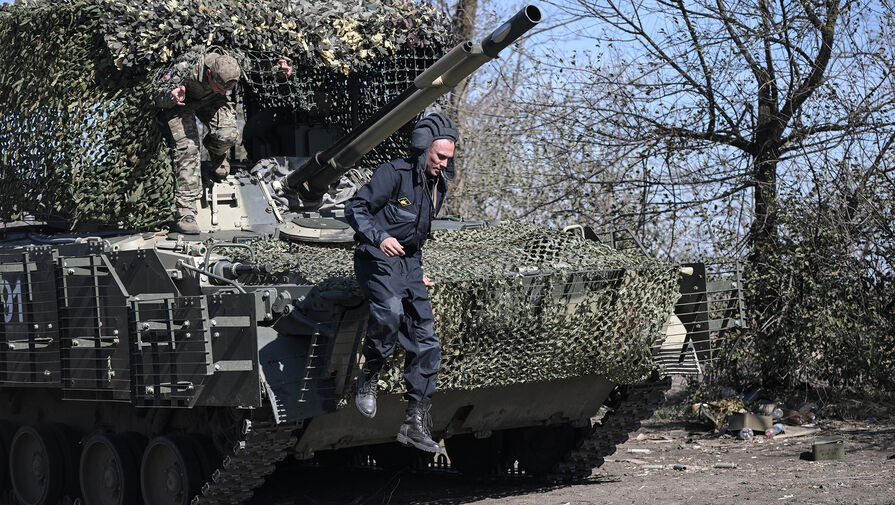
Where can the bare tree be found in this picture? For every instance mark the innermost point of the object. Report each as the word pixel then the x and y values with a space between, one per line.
pixel 734 95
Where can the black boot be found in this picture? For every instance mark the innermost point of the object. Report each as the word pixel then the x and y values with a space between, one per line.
pixel 415 430
pixel 365 394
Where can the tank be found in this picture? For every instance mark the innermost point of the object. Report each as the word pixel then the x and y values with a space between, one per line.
pixel 138 365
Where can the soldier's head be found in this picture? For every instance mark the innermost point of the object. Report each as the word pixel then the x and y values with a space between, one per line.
pixel 436 135
pixel 222 72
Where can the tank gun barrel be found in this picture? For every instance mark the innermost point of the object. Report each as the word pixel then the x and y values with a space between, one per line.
pixel 312 179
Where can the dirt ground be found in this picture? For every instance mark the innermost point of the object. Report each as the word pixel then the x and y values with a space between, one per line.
pixel 766 471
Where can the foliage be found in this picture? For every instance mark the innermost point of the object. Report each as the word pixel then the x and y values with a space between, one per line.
pixel 830 318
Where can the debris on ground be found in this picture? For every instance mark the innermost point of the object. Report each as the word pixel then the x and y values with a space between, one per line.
pixel 738 411
pixel 653 437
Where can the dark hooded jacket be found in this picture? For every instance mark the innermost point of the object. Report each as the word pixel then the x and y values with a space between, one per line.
pixel 397 202
pixel 401 200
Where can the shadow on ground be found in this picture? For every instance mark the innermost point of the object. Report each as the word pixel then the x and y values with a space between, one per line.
pixel 297 484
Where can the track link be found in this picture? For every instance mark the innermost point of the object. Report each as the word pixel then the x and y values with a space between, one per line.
pixel 628 406
pixel 252 458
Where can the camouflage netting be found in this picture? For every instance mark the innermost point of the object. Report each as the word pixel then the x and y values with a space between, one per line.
pixel 520 303
pixel 78 135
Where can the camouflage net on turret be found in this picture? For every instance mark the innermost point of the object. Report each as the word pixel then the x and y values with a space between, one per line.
pixel 520 303
pixel 79 140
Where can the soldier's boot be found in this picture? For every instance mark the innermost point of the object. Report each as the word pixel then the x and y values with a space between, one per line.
pixel 187 225
pixel 365 394
pixel 220 167
pixel 416 428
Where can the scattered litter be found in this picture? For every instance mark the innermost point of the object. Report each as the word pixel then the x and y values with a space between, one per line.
pixel 697 446
pixel 638 451
pixel 679 467
pixel 725 465
pixel 765 408
pixel 796 431
pixel 653 467
pixel 654 438
pixel 754 422
pixel 786 497
pixel 633 461
pixel 745 434
pixel 774 430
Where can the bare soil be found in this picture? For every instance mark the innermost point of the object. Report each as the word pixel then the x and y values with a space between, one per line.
pixel 767 471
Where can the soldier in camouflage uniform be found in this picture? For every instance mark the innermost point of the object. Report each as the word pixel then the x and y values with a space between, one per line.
pixel 197 87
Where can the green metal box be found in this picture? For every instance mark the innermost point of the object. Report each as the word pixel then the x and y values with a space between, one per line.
pixel 828 448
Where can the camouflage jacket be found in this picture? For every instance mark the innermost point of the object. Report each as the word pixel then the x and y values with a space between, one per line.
pixel 189 72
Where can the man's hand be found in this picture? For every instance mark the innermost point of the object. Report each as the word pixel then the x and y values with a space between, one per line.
pixel 428 282
pixel 179 94
pixel 284 66
pixel 391 247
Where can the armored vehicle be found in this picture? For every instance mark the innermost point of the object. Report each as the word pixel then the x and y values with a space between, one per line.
pixel 143 366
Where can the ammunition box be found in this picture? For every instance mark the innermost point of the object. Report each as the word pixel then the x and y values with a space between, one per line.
pixel 828 448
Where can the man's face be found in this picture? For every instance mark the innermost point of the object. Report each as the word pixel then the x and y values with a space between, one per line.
pixel 440 153
pixel 216 86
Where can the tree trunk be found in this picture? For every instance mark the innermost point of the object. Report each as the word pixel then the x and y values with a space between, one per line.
pixel 764 226
pixel 463 24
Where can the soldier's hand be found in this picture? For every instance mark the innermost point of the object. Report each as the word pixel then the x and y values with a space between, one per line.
pixel 391 247
pixel 179 94
pixel 428 282
pixel 285 66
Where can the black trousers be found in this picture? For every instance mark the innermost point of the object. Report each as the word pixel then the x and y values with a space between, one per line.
pixel 400 312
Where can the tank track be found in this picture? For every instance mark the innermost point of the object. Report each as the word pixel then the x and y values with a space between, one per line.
pixel 253 457
pixel 628 405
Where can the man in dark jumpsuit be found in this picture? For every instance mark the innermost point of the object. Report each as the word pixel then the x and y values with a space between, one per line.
pixel 392 216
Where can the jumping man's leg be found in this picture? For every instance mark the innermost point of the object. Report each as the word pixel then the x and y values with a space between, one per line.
pixel 421 364
pixel 377 282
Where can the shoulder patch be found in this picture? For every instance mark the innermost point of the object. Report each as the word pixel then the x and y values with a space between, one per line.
pixel 404 201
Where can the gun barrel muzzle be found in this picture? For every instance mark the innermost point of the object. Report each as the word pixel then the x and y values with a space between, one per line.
pixel 508 32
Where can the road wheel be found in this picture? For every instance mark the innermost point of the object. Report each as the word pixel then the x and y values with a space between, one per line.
pixel 37 469
pixel 171 472
pixel 7 430
pixel 110 472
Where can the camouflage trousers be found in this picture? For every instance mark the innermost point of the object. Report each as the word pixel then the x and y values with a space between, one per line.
pixel 219 117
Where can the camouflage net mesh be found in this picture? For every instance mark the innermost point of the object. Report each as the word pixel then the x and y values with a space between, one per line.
pixel 79 138
pixel 520 303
